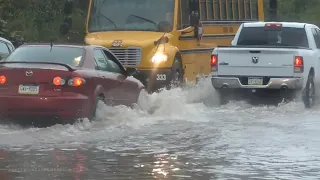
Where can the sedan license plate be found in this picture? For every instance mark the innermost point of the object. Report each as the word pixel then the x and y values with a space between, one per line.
pixel 23 89
pixel 255 81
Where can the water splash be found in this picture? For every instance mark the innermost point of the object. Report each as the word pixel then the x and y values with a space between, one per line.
pixel 196 104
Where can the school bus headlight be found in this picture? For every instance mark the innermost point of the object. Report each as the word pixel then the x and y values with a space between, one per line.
pixel 159 57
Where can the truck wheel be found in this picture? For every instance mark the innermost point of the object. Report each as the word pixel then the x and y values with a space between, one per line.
pixel 177 72
pixel 309 93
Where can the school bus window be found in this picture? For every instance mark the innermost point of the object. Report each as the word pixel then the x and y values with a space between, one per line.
pixel 210 9
pixel 235 9
pixel 216 10
pixel 185 11
pixel 241 9
pixel 135 15
pixel 203 10
pixel 223 9
pixel 179 25
pixel 247 10
pixel 229 9
pixel 254 9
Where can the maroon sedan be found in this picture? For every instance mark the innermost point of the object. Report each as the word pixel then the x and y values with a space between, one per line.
pixel 64 81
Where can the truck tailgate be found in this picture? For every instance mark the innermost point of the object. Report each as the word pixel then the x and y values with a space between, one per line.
pixel 256 61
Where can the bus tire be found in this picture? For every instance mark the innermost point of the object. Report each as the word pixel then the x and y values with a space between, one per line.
pixel 177 72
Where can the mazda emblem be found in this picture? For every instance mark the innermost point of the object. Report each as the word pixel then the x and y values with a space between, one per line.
pixel 29 73
pixel 255 60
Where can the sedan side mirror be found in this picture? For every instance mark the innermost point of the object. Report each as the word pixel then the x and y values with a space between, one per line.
pixel 131 71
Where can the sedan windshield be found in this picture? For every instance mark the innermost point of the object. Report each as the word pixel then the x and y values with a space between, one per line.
pixel 130 15
pixel 67 55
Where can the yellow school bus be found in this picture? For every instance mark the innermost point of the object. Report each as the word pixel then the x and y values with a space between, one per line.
pixel 167 40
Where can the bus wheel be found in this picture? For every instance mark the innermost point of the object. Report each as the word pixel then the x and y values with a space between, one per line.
pixel 177 72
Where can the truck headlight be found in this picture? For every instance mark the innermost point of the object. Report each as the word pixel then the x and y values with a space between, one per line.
pixel 159 57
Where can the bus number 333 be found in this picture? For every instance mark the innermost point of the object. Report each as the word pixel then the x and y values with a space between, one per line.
pixel 161 77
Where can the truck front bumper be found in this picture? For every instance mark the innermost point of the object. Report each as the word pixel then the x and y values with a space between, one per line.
pixel 268 83
pixel 155 79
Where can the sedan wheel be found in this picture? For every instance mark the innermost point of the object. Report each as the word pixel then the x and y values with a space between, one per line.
pixel 94 113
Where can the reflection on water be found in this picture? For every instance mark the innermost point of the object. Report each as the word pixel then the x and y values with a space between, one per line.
pixel 79 164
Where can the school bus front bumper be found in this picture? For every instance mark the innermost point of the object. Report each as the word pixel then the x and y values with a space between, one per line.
pixel 155 79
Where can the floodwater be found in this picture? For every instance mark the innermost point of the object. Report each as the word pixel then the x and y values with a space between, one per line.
pixel 176 134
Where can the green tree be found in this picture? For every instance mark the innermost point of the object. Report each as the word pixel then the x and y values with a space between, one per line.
pixel 39 20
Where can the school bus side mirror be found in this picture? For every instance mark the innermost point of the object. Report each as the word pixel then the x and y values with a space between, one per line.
pixel 194 19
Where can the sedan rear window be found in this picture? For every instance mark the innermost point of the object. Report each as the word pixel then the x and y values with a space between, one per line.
pixel 58 54
pixel 286 36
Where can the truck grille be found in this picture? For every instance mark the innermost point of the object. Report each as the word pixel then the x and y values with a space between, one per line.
pixel 128 56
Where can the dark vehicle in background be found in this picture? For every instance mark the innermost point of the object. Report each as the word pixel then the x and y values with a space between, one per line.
pixel 63 82
pixel 6 48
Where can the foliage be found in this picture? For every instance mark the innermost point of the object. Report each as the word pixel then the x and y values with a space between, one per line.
pixel 39 20
pixel 299 11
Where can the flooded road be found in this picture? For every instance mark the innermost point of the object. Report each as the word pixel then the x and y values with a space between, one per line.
pixel 176 134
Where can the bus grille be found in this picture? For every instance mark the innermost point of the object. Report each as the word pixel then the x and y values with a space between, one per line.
pixel 127 56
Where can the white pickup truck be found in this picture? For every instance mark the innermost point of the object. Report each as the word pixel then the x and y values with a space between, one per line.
pixel 279 59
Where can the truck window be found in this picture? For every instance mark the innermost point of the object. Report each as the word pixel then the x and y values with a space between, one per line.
pixel 284 37
pixel 316 36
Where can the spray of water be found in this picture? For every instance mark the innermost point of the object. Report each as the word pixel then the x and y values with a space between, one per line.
pixel 196 104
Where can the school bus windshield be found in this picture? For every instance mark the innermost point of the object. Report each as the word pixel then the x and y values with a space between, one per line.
pixel 129 15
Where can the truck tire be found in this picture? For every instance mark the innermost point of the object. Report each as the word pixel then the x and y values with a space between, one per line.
pixel 309 93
